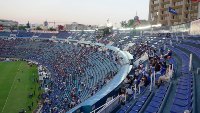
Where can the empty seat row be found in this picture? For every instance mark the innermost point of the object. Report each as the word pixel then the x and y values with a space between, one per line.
pixel 184 58
pixel 183 95
pixel 191 49
pixel 140 102
pixel 157 100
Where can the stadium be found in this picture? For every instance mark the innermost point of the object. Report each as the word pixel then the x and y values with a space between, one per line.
pixel 145 67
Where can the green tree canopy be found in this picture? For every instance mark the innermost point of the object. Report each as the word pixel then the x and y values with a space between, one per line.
pixel 21 27
pixel 52 29
pixel 38 28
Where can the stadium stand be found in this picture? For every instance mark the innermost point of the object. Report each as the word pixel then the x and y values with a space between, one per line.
pixel 25 34
pixel 4 34
pixel 63 34
pixel 81 75
pixel 162 83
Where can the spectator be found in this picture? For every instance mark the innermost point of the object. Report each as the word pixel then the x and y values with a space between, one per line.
pixel 69 66
pixel 164 78
pixel 129 92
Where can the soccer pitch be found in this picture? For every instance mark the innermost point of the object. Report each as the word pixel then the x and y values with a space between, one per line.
pixel 18 87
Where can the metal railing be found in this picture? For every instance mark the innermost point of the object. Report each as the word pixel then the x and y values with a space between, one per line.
pixel 109 106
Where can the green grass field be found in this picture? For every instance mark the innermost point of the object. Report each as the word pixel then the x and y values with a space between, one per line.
pixel 17 82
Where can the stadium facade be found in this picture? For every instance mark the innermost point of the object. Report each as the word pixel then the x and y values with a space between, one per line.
pixel 186 11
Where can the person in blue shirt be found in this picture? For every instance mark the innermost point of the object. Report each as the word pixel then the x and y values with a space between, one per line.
pixel 168 55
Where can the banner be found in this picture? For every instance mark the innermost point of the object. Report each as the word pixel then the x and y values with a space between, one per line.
pixel 180 28
pixel 173 11
pixel 195 27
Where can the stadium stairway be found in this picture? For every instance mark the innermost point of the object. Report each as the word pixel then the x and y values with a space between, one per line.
pixel 142 97
pixel 159 97
pixel 186 48
pixel 178 98
pixel 186 101
pixel 184 71
pixel 167 104
pixel 183 54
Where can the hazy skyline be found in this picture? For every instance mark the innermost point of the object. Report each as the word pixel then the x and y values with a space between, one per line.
pixel 67 11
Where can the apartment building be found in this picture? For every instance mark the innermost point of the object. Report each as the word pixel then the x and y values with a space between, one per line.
pixel 186 11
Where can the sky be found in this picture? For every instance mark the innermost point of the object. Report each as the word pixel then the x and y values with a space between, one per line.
pixel 90 12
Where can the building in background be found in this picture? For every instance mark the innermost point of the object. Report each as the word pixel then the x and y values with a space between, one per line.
pixel 187 10
pixel 8 24
pixel 77 26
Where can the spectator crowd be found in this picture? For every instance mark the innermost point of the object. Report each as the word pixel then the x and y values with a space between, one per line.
pixel 77 72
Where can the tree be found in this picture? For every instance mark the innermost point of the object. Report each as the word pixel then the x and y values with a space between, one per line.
pixel 52 29
pixel 130 23
pixel 21 27
pixel 38 28
pixel 60 27
pixel 13 27
pixel 123 24
pixel 28 25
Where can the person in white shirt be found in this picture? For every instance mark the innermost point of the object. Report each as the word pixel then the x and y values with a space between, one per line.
pixel 165 77
pixel 129 92
pixel 123 99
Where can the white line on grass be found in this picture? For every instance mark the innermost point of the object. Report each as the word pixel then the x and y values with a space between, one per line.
pixel 11 88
